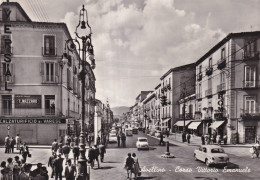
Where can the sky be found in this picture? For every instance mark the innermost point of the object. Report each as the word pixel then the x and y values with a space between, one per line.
pixel 137 41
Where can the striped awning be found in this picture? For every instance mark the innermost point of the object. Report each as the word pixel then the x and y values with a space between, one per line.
pixel 181 123
pixel 216 124
pixel 194 125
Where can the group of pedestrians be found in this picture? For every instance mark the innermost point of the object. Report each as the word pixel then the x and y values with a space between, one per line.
pixel 10 143
pixel 121 136
pixel 215 138
pixel 132 166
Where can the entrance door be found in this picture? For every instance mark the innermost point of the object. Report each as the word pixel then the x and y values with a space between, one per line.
pixel 250 132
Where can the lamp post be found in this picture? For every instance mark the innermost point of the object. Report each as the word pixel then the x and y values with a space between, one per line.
pixel 86 47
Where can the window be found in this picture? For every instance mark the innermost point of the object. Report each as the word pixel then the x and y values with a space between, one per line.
pixel 49 45
pixel 49 72
pixel 250 76
pixel 210 83
pixel 200 68
pixel 250 48
pixel 49 105
pixel 250 104
pixel 7 104
pixel 223 54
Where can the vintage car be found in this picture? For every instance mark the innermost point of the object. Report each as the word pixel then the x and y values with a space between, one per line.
pixel 211 155
pixel 112 138
pixel 142 143
pixel 135 130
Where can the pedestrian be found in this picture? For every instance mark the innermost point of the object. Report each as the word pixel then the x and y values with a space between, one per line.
pixel 25 172
pixel 10 167
pixel 54 146
pixel 188 138
pixel 96 152
pixel 161 139
pixel 12 144
pixel 51 163
pixel 202 139
pixel 75 151
pixel 17 168
pixel 129 166
pixel 60 150
pixel 76 140
pixel 98 140
pixel 123 139
pixel 208 139
pixel 4 171
pixel 7 144
pixel 58 167
pixel 211 139
pixel 218 139
pixel 257 147
pixel 214 136
pixel 183 137
pixel 167 133
pixel 25 152
pixel 68 141
pixel 91 156
pixel 118 140
pixel 40 172
pixel 102 151
pixel 18 141
pixel 252 150
pixel 136 166
pixel 66 151
pixel 70 171
pixel 89 140
pixel 225 139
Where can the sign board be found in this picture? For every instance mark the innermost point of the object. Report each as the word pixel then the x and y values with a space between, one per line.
pixel 70 121
pixel 32 121
pixel 28 101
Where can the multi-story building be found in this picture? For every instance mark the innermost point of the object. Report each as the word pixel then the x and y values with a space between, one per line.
pixel 227 88
pixel 39 89
pixel 149 110
pixel 140 107
pixel 157 116
pixel 173 83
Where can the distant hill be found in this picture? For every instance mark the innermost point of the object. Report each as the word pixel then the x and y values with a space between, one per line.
pixel 120 110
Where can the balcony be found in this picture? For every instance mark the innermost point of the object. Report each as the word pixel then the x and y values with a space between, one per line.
pixel 209 71
pixel 199 77
pixel 251 55
pixel 208 92
pixel 249 84
pixel 198 96
pixel 221 64
pixel 221 87
pixel 198 115
pixel 253 114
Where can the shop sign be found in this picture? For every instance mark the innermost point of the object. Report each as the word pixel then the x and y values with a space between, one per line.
pixel 70 121
pixel 28 101
pixel 219 113
pixel 32 121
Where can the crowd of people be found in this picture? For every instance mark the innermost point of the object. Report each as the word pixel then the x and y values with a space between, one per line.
pixel 213 139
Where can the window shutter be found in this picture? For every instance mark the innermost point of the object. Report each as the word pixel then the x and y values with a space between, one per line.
pixel 56 72
pixel 42 71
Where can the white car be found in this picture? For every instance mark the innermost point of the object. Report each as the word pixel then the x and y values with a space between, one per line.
pixel 113 131
pixel 158 133
pixel 211 155
pixel 142 143
pixel 112 138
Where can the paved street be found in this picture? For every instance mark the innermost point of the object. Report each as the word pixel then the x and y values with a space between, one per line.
pixel 181 167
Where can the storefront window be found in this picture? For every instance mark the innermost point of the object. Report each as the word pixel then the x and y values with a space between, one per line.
pixel 7 104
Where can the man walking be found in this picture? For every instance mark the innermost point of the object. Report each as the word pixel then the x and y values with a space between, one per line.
pixel 18 142
pixel 96 152
pixel 12 143
pixel 129 165
pixel 98 140
pixel 123 138
pixel 54 146
pixel 70 171
pixel 75 151
pixel 102 151
pixel 202 139
pixel 161 139
pixel 58 167
pixel 7 144
pixel 66 151
pixel 51 163
pixel 91 156
pixel 118 140
pixel 188 138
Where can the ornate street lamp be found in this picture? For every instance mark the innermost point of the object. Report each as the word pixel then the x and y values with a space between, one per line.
pixel 86 47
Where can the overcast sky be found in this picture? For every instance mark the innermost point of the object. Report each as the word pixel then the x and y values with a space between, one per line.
pixel 137 41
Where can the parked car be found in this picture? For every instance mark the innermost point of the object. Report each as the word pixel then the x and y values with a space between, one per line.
pixel 211 155
pixel 129 132
pixel 113 131
pixel 112 138
pixel 158 133
pixel 135 131
pixel 142 143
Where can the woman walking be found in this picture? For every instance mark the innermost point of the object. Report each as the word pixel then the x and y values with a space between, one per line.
pixel 136 167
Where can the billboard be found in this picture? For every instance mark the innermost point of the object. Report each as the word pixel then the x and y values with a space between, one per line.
pixel 28 101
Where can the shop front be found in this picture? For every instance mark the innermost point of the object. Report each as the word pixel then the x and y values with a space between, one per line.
pixel 195 127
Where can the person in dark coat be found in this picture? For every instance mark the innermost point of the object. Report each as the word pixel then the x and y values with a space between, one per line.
pixel 129 165
pixel 91 156
pixel 25 152
pixel 12 144
pixel 7 144
pixel 70 171
pixel 76 140
pixel 188 138
pixel 96 152
pixel 183 137
pixel 123 138
pixel 98 140
pixel 102 151
pixel 167 133
pixel 118 140
pixel 40 171
pixel 202 139
pixel 161 139
pixel 75 151
pixel 51 163
pixel 58 167
pixel 54 146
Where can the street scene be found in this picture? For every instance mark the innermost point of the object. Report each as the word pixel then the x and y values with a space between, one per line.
pixel 129 89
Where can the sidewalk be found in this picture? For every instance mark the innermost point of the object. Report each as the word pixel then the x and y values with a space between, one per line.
pixel 176 138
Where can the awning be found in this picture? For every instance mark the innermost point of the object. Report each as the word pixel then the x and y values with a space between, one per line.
pixel 194 125
pixel 181 123
pixel 216 124
pixel 165 120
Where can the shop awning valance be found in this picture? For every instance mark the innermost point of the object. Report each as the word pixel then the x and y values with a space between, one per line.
pixel 194 125
pixel 181 123
pixel 165 120
pixel 216 124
